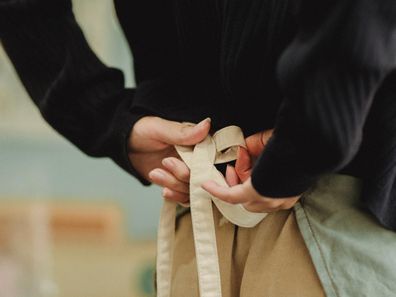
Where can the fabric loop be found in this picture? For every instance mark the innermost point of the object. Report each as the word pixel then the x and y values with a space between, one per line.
pixel 201 158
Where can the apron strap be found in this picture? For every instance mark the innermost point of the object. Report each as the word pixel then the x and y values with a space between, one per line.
pixel 219 148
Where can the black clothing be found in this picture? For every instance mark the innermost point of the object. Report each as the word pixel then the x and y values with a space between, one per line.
pixel 321 72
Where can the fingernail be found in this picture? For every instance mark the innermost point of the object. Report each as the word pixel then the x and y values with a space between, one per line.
pixel 168 162
pixel 203 123
pixel 228 170
pixel 156 174
pixel 165 192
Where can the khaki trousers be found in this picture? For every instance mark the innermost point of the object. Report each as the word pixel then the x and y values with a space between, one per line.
pixel 269 260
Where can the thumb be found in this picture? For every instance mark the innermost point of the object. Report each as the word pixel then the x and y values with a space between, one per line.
pixel 177 133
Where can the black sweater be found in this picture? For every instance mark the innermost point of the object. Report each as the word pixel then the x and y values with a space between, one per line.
pixel 322 73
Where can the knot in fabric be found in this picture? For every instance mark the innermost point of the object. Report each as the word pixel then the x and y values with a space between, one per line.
pixel 221 147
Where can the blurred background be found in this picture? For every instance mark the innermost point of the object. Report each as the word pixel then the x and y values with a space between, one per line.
pixel 65 230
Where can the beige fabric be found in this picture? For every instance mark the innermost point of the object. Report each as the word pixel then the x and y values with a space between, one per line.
pixel 219 148
pixel 269 260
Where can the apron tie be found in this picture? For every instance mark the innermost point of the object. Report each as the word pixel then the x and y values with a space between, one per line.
pixel 201 159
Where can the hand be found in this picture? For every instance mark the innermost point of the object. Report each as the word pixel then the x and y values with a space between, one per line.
pixel 175 178
pixel 152 153
pixel 244 192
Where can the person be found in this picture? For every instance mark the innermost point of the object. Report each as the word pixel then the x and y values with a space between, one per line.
pixel 317 77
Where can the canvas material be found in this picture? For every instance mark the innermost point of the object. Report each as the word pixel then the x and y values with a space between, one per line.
pixel 268 260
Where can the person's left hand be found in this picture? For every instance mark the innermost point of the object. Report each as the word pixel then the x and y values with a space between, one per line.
pixel 246 194
pixel 241 189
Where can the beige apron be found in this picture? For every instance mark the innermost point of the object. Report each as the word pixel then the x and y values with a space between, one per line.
pixel 219 148
pixel 268 260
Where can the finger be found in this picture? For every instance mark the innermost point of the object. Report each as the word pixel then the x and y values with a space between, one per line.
pixel 164 179
pixel 266 204
pixel 232 178
pixel 232 195
pixel 178 168
pixel 172 132
pixel 270 204
pixel 260 206
pixel 290 203
pixel 175 196
pixel 243 164
pixel 256 142
pixel 266 135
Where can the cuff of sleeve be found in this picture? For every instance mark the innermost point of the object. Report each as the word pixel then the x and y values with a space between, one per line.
pixel 123 129
pixel 150 94
pixel 277 172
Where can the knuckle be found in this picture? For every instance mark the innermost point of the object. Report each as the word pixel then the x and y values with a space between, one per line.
pixel 175 184
pixel 183 132
pixel 184 175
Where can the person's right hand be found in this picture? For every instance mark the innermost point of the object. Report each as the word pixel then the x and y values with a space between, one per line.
pixel 151 143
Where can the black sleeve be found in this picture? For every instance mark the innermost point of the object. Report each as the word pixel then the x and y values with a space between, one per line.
pixel 78 95
pixel 329 75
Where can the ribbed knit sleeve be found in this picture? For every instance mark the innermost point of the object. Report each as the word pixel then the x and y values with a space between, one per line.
pixel 79 96
pixel 329 75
